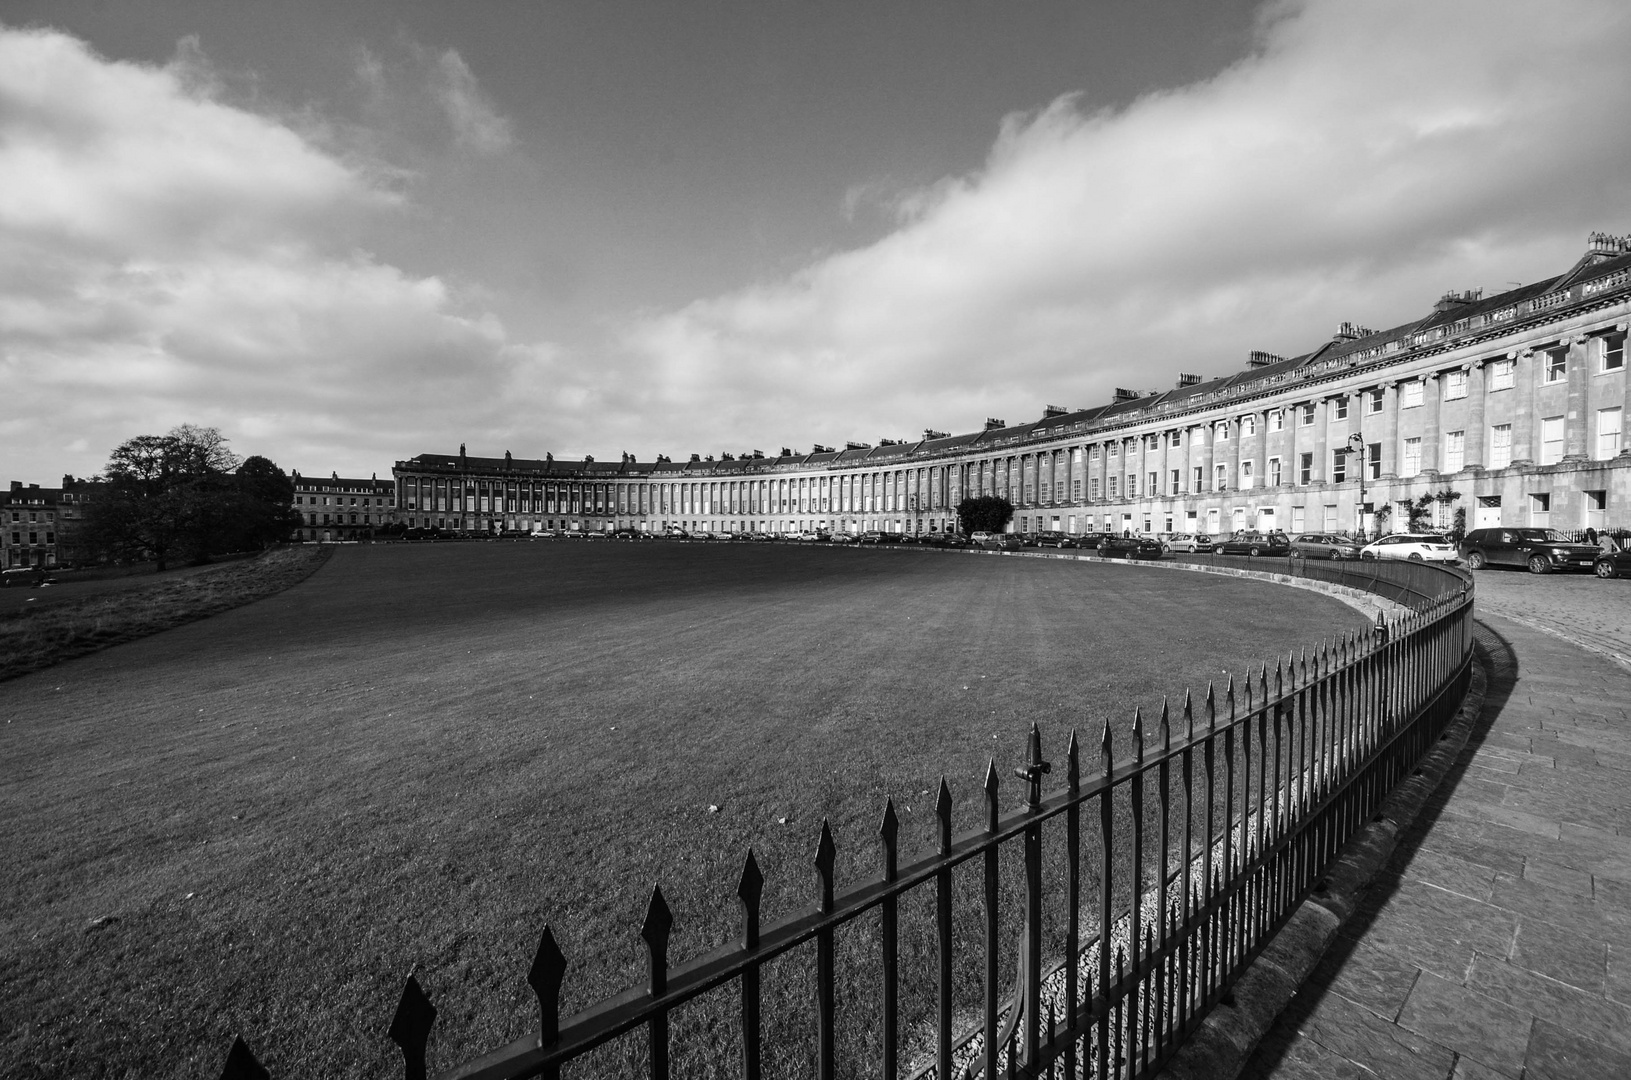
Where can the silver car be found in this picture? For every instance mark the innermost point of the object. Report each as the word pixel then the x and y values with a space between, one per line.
pixel 1190 542
pixel 1324 546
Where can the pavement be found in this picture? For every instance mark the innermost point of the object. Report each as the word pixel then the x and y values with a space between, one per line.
pixel 1497 940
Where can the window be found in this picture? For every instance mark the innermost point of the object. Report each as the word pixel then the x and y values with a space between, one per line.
pixel 1075 491
pixel 1277 420
pixel 1612 350
pixel 1455 450
pixel 1113 481
pixel 1608 432
pixel 1540 509
pixel 1410 394
pixel 1339 465
pixel 1374 401
pixel 1274 472
pixel 1152 484
pixel 1200 480
pixel 1551 440
pixel 1339 408
pixel 1501 375
pixel 1305 468
pixel 1500 446
pixel 1411 464
pixel 1299 518
pixel 1455 385
pixel 1132 485
pixel 1220 477
pixel 1557 365
pixel 1112 450
pixel 1223 431
pixel 1177 438
pixel 1177 481
pixel 1305 415
pixel 1330 522
pixel 1246 474
pixel 1248 426
pixel 1093 489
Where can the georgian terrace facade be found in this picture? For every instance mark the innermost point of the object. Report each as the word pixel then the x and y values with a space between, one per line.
pixel 1515 403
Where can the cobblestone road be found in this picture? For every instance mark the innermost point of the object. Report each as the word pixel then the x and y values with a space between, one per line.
pixel 1577 607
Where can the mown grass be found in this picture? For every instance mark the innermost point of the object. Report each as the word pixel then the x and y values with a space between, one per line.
pixel 31 639
pixel 261 823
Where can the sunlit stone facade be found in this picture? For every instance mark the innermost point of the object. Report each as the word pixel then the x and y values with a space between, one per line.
pixel 1516 402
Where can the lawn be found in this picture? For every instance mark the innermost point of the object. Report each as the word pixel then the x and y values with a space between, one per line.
pixel 413 760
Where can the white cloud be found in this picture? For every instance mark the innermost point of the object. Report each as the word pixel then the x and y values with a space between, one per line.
pixel 166 257
pixel 476 124
pixel 1365 158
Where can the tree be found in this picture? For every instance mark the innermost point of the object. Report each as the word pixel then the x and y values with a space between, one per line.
pixel 184 494
pixel 984 513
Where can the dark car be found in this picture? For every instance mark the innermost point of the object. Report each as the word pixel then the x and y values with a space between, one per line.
pixel 1611 564
pixel 1055 540
pixel 1130 547
pixel 950 540
pixel 1540 550
pixel 1255 543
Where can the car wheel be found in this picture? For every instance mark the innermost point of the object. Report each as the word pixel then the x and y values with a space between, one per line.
pixel 1538 564
pixel 1335 555
pixel 1475 560
pixel 1367 554
pixel 1605 568
pixel 1256 551
pixel 1415 556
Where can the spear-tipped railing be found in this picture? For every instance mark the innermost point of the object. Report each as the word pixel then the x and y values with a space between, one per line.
pixel 1253 797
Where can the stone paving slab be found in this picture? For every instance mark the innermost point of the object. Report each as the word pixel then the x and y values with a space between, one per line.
pixel 1497 942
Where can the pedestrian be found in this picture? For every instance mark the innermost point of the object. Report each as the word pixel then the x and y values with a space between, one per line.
pixel 1591 536
pixel 1607 543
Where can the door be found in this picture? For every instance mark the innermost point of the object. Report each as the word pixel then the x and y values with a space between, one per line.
pixel 1488 513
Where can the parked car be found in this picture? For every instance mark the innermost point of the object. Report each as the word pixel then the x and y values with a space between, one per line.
pixel 1130 547
pixel 1055 540
pixel 950 540
pixel 1324 546
pixel 1417 547
pixel 1188 542
pixel 1610 564
pixel 996 541
pixel 1252 542
pixel 1541 550
pixel 843 538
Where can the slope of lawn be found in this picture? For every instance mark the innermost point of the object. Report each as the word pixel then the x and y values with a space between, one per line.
pixel 415 759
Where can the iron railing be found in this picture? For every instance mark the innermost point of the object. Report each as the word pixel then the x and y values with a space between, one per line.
pixel 1209 830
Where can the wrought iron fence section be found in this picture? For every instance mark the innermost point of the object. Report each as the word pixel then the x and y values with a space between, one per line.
pixel 1241 809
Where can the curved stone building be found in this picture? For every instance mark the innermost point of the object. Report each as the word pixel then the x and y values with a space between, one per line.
pixel 1510 409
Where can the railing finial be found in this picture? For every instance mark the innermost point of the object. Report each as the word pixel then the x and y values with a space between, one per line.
pixel 241 1063
pixel 1073 764
pixel 749 888
pixel 1138 734
pixel 826 855
pixel 991 783
pixel 887 832
pixel 655 930
pixel 410 1027
pixel 942 813
pixel 545 976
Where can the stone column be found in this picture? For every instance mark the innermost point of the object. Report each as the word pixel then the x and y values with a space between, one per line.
pixel 1576 420
pixel 1237 439
pixel 1473 442
pixel 1431 394
pixel 1322 419
pixel 1523 416
pixel 1390 431
pixel 1625 403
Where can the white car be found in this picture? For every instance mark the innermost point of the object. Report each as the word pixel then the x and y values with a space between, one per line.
pixel 1417 547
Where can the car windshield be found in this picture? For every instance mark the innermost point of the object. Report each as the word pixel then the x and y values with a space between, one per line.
pixel 1549 535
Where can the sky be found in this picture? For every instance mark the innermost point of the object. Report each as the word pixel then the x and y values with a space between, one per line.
pixel 347 234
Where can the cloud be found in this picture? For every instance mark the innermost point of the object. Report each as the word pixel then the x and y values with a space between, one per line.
pixel 1363 159
pixel 166 256
pixel 476 124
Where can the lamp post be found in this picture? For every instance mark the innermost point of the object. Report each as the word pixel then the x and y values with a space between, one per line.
pixel 1356 445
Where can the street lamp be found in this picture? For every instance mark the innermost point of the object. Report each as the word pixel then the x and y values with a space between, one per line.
pixel 1356 445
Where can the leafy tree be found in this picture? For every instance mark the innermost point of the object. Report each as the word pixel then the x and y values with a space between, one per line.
pixel 985 513
pixel 185 495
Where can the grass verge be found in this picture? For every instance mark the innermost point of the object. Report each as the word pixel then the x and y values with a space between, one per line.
pixel 31 640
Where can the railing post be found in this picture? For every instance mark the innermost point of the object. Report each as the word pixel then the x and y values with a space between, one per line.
pixel 992 990
pixel 887 833
pixel 659 922
pixel 1106 918
pixel 942 881
pixel 826 980
pixel 1031 984
pixel 749 891
pixel 410 1028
